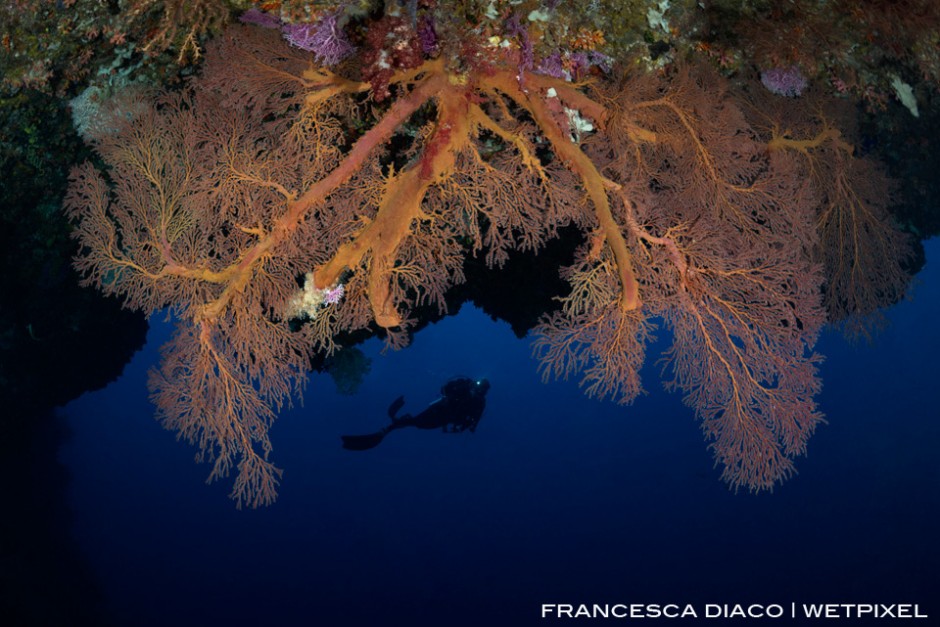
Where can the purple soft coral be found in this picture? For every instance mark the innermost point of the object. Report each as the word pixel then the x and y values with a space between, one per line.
pixel 325 39
pixel 514 28
pixel 427 35
pixel 784 81
pixel 332 295
pixel 553 66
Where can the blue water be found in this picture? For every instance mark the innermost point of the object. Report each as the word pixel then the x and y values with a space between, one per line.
pixel 554 499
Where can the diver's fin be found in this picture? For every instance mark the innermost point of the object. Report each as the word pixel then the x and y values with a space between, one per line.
pixel 395 406
pixel 362 442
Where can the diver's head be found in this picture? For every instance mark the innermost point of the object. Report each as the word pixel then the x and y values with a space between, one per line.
pixel 481 387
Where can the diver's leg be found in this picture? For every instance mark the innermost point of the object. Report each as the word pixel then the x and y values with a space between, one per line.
pixel 362 442
pixel 395 406
pixel 402 421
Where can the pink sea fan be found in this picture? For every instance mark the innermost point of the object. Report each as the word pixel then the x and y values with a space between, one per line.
pixel 325 39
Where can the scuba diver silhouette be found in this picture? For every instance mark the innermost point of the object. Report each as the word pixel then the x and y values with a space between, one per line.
pixel 458 409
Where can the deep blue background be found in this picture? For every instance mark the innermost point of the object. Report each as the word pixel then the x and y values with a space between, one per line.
pixel 555 498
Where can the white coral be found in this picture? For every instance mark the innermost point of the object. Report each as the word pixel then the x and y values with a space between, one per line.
pixel 905 94
pixel 308 302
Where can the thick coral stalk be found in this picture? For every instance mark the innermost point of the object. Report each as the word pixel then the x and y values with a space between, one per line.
pixel 237 276
pixel 400 207
pixel 591 178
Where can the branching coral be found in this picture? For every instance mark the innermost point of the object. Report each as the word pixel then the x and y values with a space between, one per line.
pixel 226 196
